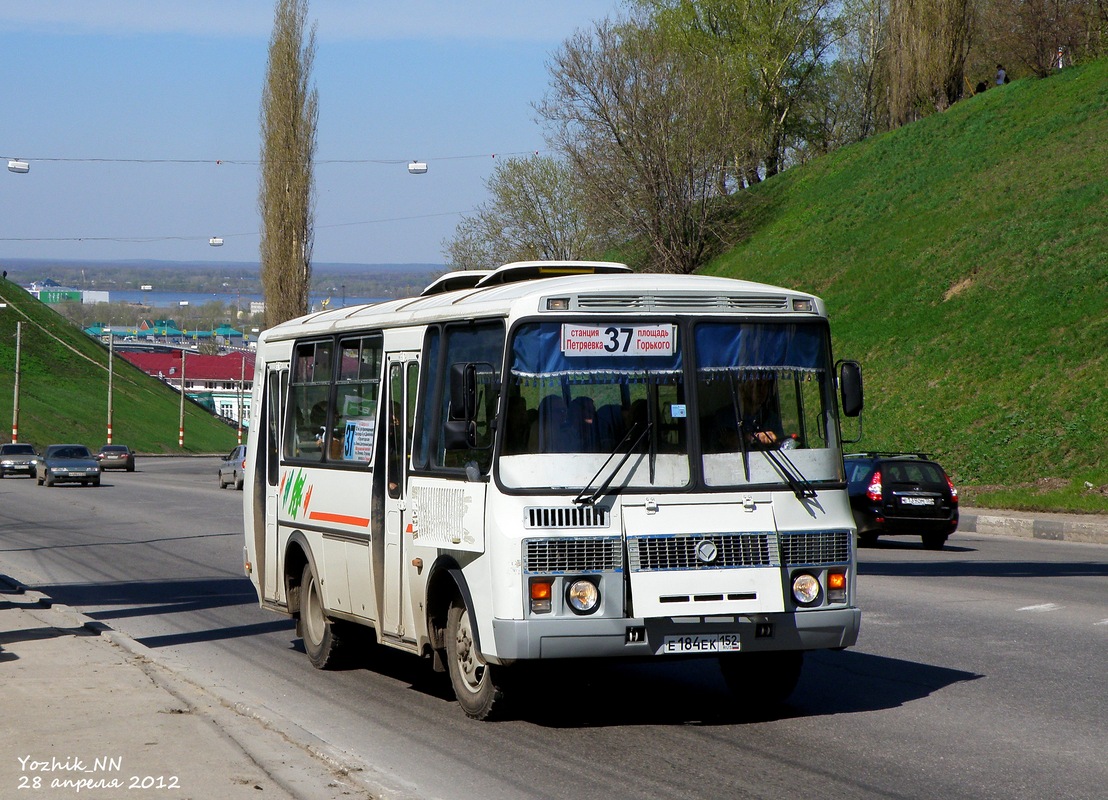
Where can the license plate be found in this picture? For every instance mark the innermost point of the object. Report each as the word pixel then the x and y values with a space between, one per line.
pixel 719 643
pixel 917 501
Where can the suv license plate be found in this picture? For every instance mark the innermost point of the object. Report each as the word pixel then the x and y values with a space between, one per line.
pixel 720 643
pixel 917 501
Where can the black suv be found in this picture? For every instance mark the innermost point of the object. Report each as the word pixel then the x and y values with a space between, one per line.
pixel 901 494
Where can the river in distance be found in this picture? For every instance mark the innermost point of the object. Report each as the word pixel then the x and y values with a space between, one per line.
pixel 172 300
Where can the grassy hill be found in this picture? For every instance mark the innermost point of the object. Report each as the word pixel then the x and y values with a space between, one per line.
pixel 964 260
pixel 63 394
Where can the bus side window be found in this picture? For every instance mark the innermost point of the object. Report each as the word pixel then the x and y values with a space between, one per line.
pixel 357 390
pixel 481 344
pixel 309 401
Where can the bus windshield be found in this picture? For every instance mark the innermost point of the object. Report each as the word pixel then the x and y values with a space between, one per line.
pixel 727 403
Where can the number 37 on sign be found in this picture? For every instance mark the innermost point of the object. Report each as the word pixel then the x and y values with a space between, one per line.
pixel 617 339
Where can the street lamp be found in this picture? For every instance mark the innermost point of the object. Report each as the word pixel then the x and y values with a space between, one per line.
pixel 16 165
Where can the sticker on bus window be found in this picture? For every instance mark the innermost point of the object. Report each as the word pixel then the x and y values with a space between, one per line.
pixel 618 340
pixel 357 444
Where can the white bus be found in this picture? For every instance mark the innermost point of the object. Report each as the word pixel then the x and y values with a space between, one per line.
pixel 558 461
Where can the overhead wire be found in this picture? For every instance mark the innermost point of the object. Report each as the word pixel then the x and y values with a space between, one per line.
pixel 238 162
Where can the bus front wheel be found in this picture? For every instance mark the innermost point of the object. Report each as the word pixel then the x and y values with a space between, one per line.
pixel 321 643
pixel 478 686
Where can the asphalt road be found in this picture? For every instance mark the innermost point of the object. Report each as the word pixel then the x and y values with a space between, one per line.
pixel 980 671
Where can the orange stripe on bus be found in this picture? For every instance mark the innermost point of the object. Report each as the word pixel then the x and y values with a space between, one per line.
pixel 345 519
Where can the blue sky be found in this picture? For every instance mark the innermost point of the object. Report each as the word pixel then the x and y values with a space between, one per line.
pixel 93 86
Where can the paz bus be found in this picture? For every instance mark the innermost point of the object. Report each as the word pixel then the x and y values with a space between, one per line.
pixel 558 461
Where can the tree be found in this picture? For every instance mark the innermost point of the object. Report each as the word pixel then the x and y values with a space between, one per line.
pixel 1029 33
pixel 535 211
pixel 928 41
pixel 646 129
pixel 771 52
pixel 285 198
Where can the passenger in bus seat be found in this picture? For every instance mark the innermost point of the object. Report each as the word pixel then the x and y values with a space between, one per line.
pixel 550 431
pixel 582 421
pixel 517 425
pixel 610 426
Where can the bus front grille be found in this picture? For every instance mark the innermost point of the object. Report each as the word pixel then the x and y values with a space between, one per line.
pixel 816 547
pixel 701 551
pixel 575 554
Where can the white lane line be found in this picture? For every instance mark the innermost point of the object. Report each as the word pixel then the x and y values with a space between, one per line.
pixel 1042 607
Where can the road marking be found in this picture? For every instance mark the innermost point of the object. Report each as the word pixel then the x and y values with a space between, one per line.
pixel 1102 622
pixel 1042 607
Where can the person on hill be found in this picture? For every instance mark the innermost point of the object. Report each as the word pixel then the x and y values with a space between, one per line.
pixel 1001 75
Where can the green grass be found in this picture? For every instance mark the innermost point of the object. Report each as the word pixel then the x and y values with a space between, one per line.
pixel 63 394
pixel 964 261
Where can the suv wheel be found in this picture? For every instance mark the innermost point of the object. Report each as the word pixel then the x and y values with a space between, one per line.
pixel 933 541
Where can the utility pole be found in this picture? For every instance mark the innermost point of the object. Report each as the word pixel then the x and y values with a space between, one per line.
pixel 15 400
pixel 181 425
pixel 111 375
pixel 242 377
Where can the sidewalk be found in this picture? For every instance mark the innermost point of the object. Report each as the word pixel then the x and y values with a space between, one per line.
pixel 88 712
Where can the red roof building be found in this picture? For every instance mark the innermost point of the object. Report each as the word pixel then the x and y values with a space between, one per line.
pixel 221 383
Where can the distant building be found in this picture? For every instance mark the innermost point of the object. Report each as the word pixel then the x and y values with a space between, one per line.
pixel 50 291
pixel 221 383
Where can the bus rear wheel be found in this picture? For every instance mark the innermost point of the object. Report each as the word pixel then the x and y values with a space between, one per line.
pixel 321 642
pixel 760 682
pixel 479 686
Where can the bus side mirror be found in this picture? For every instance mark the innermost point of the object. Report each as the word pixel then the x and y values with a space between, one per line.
pixel 473 389
pixel 463 392
pixel 850 388
pixel 460 430
pixel 460 434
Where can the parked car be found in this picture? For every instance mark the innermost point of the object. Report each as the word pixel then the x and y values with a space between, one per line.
pixel 901 494
pixel 117 456
pixel 232 467
pixel 67 462
pixel 17 459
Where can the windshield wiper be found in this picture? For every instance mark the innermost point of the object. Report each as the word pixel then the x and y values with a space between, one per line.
pixel 801 486
pixel 590 499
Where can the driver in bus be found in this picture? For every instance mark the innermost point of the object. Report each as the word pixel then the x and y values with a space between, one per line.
pixel 760 420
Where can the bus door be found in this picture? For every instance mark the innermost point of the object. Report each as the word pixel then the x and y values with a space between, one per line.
pixel 399 415
pixel 276 386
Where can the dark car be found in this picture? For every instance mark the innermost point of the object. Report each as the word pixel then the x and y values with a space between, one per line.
pixel 67 462
pixel 232 468
pixel 117 456
pixel 901 494
pixel 17 459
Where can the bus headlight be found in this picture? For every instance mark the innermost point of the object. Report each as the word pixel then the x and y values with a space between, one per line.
pixel 805 589
pixel 582 596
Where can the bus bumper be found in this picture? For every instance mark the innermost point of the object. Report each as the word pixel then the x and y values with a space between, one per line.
pixel 533 639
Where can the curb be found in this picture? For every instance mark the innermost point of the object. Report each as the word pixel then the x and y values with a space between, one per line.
pixel 1087 529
